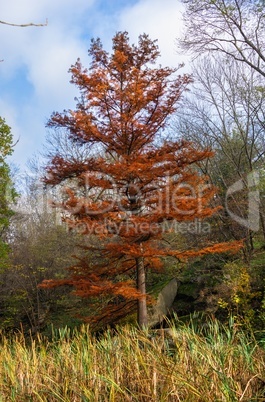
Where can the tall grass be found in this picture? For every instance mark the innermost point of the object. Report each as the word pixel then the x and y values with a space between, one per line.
pixel 190 363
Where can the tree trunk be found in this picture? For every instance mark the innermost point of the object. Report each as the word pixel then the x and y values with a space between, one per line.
pixel 142 318
pixel 262 224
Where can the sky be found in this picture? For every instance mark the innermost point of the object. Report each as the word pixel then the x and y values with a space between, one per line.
pixel 35 61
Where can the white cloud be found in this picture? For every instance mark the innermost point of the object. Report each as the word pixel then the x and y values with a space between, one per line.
pixel 36 11
pixel 161 20
pixel 45 54
pixel 48 66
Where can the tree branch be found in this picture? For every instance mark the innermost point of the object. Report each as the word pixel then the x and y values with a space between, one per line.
pixel 30 24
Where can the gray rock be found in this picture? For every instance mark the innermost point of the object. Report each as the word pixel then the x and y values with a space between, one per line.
pixel 164 303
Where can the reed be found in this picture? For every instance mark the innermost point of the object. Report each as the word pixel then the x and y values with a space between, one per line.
pixel 188 362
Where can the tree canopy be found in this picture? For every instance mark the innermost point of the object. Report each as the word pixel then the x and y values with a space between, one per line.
pixel 135 181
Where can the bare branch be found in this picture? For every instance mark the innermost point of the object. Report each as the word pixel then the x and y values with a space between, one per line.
pixel 232 27
pixel 30 24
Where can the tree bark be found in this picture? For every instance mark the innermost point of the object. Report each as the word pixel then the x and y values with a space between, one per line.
pixel 142 318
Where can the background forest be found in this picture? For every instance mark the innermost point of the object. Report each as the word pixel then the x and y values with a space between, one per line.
pixel 219 108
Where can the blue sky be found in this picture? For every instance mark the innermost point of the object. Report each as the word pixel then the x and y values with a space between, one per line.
pixel 34 78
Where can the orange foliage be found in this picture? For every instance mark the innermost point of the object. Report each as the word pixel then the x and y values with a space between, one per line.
pixel 141 182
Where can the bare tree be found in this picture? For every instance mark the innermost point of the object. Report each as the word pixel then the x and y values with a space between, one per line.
pixel 225 111
pixel 232 27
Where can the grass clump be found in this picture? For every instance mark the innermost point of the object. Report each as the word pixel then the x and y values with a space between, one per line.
pixel 189 363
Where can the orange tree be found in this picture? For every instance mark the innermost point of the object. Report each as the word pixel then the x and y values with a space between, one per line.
pixel 134 180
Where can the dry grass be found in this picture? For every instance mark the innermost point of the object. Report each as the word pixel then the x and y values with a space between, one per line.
pixel 213 363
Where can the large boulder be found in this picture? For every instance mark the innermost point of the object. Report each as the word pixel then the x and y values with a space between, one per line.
pixel 163 305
